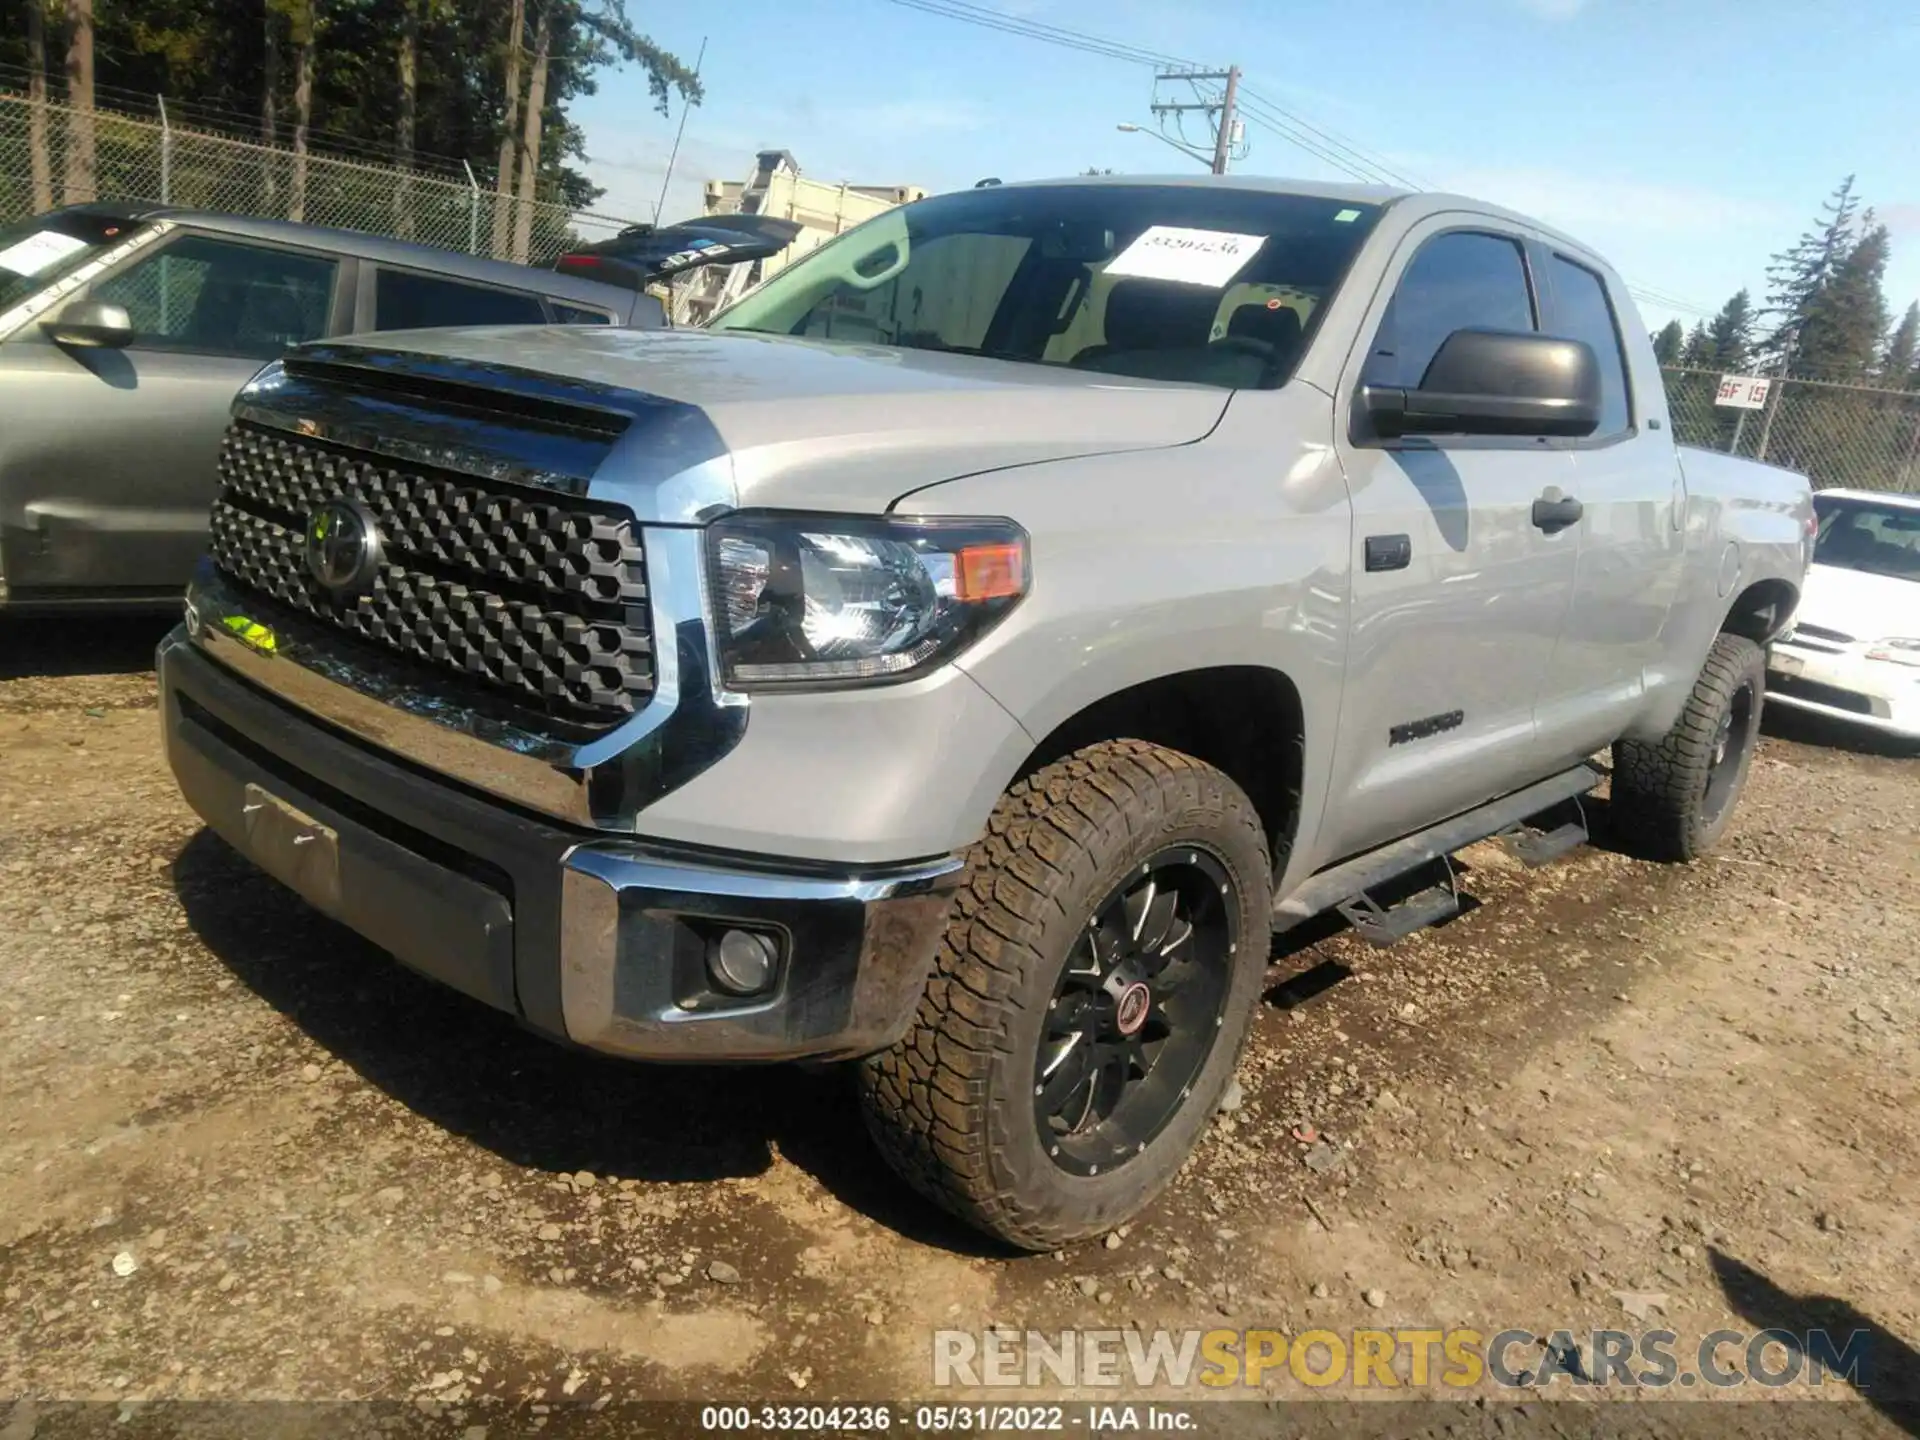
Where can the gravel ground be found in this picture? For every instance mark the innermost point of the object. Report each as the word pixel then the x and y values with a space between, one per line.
pixel 243 1154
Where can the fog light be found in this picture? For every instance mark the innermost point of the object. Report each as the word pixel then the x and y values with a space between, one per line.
pixel 741 961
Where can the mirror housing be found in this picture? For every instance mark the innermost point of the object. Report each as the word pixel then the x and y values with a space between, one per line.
pixel 649 312
pixel 91 325
pixel 1494 382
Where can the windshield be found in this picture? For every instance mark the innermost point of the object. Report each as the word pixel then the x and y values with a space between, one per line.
pixel 1162 282
pixel 1875 539
pixel 37 252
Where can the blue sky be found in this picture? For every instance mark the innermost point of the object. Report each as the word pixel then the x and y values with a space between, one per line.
pixel 1684 139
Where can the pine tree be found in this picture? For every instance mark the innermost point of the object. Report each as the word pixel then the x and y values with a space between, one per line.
pixel 1797 275
pixel 1697 353
pixel 1845 322
pixel 1667 344
pixel 1900 364
pixel 1731 334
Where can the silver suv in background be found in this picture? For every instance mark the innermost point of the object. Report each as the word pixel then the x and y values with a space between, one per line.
pixel 125 332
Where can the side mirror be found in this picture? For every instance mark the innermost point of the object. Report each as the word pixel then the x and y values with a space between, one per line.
pixel 649 313
pixel 91 325
pixel 1494 382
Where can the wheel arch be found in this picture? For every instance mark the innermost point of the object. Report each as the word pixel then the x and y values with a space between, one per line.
pixel 1247 721
pixel 1761 611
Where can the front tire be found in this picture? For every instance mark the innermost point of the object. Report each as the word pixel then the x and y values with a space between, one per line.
pixel 1089 1000
pixel 1673 799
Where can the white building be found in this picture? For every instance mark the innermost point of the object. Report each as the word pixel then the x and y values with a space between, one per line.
pixel 777 188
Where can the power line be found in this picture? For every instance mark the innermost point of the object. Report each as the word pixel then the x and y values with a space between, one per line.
pixel 1051 34
pixel 1281 126
pixel 1388 175
pixel 1330 148
pixel 1321 144
pixel 1667 302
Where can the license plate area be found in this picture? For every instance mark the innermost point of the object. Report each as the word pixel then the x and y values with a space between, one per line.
pixel 292 846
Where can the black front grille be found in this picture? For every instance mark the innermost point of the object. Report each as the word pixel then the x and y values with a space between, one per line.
pixel 540 596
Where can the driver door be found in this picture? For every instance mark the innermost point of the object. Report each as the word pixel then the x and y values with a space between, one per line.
pixel 1458 600
pixel 111 454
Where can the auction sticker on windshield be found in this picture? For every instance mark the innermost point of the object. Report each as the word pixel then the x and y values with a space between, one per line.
pixel 37 252
pixel 1192 257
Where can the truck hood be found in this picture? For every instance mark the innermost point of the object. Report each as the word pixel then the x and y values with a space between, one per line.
pixel 1852 602
pixel 824 426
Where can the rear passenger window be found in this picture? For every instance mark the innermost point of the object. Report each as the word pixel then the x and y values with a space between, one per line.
pixel 574 315
pixel 1581 311
pixel 402 301
pixel 1456 281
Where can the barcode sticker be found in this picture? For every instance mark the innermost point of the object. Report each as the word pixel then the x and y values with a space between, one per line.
pixel 1192 257
pixel 39 252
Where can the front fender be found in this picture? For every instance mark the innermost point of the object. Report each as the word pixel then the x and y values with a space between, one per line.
pixel 1233 551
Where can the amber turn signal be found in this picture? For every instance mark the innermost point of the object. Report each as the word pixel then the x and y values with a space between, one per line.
pixel 990 572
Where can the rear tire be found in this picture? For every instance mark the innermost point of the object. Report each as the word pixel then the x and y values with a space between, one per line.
pixel 1115 921
pixel 1673 798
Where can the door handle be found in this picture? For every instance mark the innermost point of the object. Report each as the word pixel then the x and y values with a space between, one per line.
pixel 1554 512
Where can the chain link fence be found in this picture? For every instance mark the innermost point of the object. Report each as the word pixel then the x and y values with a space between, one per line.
pixel 136 159
pixel 1835 434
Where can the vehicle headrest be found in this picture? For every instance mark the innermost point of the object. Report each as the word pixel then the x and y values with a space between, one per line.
pixel 1159 315
pixel 1278 327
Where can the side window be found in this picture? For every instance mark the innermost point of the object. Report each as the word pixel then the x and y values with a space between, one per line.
pixel 223 297
pixel 405 301
pixel 1456 281
pixel 1581 311
pixel 574 315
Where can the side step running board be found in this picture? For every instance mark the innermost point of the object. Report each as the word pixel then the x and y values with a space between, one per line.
pixel 1383 926
pixel 1537 847
pixel 1345 885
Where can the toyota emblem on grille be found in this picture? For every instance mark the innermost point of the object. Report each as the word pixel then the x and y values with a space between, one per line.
pixel 343 547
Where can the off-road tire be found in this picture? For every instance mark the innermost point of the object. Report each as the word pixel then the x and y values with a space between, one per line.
pixel 950 1106
pixel 1660 795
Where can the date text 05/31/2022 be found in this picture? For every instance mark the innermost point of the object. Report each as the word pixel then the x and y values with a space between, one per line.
pixel 948 1419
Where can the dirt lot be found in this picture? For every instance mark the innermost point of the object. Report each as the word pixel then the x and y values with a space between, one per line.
pixel 243 1154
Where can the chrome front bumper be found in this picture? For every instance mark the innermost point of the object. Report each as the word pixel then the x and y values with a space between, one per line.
pixel 1837 680
pixel 594 940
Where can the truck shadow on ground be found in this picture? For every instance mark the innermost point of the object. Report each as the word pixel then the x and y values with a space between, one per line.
pixel 1304 975
pixel 99 643
pixel 533 1103
pixel 1808 728
pixel 1889 1375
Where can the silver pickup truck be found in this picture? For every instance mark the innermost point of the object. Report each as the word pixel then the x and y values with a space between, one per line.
pixel 961 656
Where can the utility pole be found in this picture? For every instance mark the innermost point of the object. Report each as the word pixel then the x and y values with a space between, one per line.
pixel 1223 141
pixel 1225 108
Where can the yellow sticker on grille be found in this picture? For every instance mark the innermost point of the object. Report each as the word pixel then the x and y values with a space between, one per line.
pixel 251 633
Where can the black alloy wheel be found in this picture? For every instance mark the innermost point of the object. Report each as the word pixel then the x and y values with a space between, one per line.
pixel 1726 763
pixel 1137 1011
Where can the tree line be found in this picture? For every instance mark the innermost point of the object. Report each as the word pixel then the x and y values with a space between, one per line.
pixel 1826 315
pixel 420 84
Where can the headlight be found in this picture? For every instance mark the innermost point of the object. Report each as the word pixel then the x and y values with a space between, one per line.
pixel 1897 650
pixel 817 601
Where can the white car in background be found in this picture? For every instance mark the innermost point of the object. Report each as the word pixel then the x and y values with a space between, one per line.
pixel 1853 650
